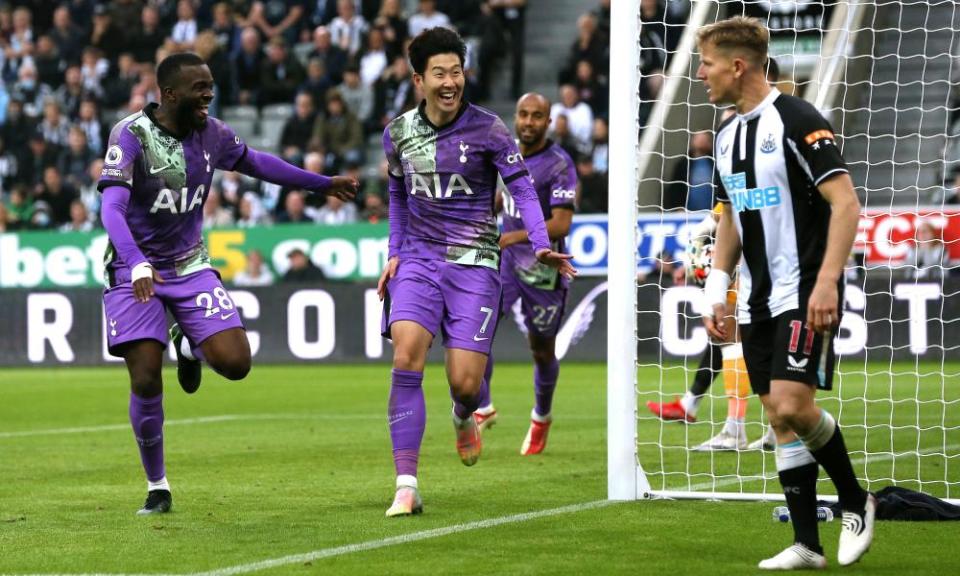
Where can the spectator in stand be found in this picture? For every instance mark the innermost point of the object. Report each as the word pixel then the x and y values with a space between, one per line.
pixel 374 208
pixel 79 219
pixel 374 59
pixel 93 69
pixel 925 258
pixel 560 133
pixel 120 82
pixel 347 30
pixel 206 47
pixel 40 218
pixel 184 33
pixel 601 15
pixel 75 158
pixel 589 46
pixel 298 129
pixel 68 37
pixel 18 44
pixel 593 188
pixel 578 115
pixel 427 16
pixel 57 194
pixel 149 37
pixel 40 155
pixel 71 92
pixel 50 66
pixel 295 209
pixel 590 89
pixel 278 19
pixel 250 211
pixel 513 15
pixel 29 91
pixel 338 133
pixel 89 194
pixel 9 165
pixel 391 20
pixel 19 208
pixel 393 94
pixel 600 155
pixel 301 269
pixel 255 273
pixel 356 96
pixel 488 28
pixel 214 214
pixel 333 57
pixel 225 28
pixel 54 127
pixel 318 82
pixel 337 212
pixel 16 129
pixel 89 121
pixel 280 74
pixel 106 35
pixel 691 185
pixel 247 67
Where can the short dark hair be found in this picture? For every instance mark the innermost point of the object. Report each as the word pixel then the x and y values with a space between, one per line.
pixel 433 41
pixel 169 68
pixel 773 71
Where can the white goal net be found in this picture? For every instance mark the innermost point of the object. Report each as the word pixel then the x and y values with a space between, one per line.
pixel 885 74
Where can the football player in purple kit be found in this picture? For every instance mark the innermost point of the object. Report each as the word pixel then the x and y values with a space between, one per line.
pixel 444 256
pixel 158 169
pixel 541 290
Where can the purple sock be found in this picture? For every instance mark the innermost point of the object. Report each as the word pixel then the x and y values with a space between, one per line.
pixel 483 399
pixel 544 383
pixel 407 416
pixel 146 417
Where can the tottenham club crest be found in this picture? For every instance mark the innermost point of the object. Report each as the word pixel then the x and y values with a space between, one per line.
pixel 463 152
pixel 768 145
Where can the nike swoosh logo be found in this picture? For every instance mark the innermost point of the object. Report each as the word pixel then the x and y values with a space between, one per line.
pixel 475 339
pixel 154 169
pixel 226 316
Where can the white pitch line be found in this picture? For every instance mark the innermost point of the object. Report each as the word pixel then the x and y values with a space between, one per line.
pixel 855 462
pixel 375 544
pixel 187 421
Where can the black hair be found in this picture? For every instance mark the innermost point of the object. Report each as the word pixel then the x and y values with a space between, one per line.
pixel 433 41
pixel 773 71
pixel 169 68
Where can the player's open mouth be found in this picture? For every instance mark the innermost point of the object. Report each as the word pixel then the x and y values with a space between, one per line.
pixel 203 111
pixel 448 97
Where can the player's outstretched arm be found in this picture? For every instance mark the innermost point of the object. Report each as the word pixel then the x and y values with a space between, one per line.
pixel 725 256
pixel 114 217
pixel 268 167
pixel 823 306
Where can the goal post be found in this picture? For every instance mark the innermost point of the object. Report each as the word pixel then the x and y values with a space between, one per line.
pixel 883 74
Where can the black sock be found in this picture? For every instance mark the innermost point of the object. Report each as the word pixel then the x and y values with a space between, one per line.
pixel 800 488
pixel 711 364
pixel 836 461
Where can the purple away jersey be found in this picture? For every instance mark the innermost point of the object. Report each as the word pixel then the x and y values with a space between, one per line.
pixel 449 177
pixel 555 180
pixel 169 179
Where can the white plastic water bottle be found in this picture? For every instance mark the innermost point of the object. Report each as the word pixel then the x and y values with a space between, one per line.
pixel 782 514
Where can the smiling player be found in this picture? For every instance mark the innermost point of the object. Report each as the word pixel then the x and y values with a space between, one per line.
pixel 155 180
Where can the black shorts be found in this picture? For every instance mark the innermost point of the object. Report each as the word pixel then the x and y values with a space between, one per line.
pixel 782 348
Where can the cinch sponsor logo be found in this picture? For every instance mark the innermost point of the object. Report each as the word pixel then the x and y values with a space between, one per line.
pixel 565 194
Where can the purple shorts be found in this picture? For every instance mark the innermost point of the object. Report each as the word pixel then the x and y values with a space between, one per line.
pixel 542 309
pixel 461 301
pixel 198 302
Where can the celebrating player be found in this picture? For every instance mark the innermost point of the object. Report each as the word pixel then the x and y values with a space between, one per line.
pixel 155 180
pixel 791 223
pixel 541 289
pixel 442 273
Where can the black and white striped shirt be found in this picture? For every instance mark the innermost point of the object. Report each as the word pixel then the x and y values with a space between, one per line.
pixel 769 163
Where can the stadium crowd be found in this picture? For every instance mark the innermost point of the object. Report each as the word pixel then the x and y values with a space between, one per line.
pixel 324 76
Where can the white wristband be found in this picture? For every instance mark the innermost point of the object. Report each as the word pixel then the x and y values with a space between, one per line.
pixel 715 288
pixel 140 271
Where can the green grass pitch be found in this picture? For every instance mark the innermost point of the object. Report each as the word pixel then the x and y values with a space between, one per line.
pixel 296 461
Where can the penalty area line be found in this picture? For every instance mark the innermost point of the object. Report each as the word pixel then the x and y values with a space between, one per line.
pixel 376 544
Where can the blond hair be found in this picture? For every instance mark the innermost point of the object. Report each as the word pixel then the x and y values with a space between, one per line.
pixel 739 33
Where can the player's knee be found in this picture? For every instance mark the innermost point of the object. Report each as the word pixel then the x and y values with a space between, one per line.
pixel 543 357
pixel 146 384
pixel 237 369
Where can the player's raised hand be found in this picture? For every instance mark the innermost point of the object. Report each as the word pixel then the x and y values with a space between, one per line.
pixel 143 283
pixel 557 260
pixel 343 187
pixel 822 308
pixel 389 271
pixel 715 324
